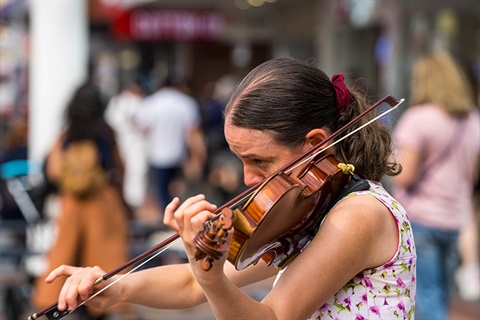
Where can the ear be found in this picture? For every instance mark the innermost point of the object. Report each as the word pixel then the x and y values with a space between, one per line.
pixel 315 136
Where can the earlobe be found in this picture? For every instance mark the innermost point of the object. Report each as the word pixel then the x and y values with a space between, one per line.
pixel 315 136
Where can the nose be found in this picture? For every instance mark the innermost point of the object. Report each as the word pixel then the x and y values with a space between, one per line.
pixel 250 178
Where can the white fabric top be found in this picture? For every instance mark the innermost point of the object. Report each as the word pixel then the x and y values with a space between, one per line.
pixel 119 114
pixel 387 291
pixel 168 115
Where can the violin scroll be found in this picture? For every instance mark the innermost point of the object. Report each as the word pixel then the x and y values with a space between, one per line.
pixel 211 243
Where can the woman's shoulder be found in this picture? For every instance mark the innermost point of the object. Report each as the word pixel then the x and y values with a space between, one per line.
pixel 364 208
pixel 375 206
pixel 360 205
pixel 365 226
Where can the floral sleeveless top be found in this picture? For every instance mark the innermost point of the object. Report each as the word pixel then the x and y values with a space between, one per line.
pixel 385 292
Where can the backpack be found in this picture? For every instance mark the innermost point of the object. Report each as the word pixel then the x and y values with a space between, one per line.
pixel 81 173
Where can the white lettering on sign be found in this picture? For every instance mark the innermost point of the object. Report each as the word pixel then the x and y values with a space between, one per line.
pixel 176 25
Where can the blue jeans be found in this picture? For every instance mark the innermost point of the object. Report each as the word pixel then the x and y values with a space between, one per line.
pixel 162 179
pixel 437 259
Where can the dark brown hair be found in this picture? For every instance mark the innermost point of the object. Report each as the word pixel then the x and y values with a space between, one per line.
pixel 84 115
pixel 288 98
pixel 85 121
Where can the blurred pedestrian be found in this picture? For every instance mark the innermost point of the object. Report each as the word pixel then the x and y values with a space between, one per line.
pixel 92 220
pixel 212 120
pixel 171 121
pixel 438 148
pixel 119 115
pixel 223 169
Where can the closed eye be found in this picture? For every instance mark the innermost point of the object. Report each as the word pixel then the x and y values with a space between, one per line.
pixel 259 163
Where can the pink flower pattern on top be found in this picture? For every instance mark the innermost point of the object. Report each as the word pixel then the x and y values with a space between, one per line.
pixel 385 292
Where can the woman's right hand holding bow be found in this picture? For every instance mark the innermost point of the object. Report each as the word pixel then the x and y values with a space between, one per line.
pixel 80 285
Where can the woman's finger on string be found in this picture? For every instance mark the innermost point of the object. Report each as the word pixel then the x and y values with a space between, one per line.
pixel 179 214
pixel 198 220
pixel 188 203
pixel 198 213
pixel 174 213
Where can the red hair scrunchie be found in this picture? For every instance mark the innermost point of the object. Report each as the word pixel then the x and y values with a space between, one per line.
pixel 344 97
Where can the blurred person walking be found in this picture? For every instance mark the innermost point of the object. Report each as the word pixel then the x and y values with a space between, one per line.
pixel 119 115
pixel 212 120
pixel 91 224
pixel 223 169
pixel 171 121
pixel 438 148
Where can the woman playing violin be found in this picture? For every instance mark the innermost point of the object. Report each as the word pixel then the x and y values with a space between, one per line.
pixel 359 265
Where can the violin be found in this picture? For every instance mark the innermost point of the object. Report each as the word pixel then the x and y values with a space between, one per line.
pixel 277 221
pixel 273 220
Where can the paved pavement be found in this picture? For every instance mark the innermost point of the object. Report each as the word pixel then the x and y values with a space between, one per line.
pixel 462 310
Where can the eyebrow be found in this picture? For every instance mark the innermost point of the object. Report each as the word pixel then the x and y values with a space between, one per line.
pixel 249 156
pixel 244 156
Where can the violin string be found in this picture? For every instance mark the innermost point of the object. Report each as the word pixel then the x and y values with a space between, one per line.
pixel 129 272
pixel 232 206
pixel 237 204
pixel 346 136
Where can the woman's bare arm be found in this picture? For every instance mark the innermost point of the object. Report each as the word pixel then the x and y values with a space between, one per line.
pixel 164 287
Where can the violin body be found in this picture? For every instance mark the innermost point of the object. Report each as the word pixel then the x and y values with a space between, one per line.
pixel 284 214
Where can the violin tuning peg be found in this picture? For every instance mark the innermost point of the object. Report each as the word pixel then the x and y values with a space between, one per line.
pixel 207 264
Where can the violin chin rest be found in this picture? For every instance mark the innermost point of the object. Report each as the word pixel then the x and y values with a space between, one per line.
pixel 358 184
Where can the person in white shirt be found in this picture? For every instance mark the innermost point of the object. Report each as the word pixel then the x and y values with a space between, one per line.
pixel 120 116
pixel 171 120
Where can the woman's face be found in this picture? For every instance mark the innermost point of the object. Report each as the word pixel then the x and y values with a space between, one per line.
pixel 260 155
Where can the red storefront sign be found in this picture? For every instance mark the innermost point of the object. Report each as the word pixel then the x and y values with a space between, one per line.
pixel 173 25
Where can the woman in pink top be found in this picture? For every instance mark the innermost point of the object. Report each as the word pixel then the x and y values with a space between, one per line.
pixel 438 147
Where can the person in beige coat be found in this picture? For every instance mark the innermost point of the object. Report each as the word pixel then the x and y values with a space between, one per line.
pixel 92 227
